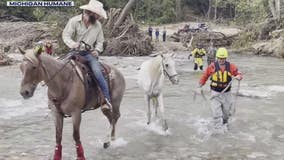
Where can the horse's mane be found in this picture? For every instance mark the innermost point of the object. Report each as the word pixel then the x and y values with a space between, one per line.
pixel 154 65
pixel 30 55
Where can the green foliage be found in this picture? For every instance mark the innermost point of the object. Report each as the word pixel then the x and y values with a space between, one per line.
pixel 155 11
pixel 199 6
pixel 247 12
pixel 114 3
pixel 38 13
pixel 244 39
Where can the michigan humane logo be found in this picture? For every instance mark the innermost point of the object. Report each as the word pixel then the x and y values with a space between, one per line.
pixel 40 3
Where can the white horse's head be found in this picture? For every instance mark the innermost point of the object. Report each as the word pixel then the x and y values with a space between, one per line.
pixel 169 67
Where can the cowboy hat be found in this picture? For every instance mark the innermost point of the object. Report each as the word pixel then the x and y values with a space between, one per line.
pixel 96 7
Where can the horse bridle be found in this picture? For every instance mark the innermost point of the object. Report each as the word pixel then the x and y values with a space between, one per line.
pixel 40 64
pixel 30 61
pixel 165 71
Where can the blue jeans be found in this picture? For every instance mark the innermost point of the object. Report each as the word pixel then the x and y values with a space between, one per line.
pixel 96 68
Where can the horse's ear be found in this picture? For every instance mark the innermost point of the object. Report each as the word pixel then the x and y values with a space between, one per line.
pixel 22 51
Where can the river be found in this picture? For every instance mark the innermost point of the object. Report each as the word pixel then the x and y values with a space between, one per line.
pixel 256 131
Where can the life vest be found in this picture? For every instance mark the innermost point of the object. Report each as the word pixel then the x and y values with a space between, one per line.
pixel 219 79
pixel 199 53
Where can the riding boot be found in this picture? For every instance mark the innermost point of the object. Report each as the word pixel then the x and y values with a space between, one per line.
pixel 108 106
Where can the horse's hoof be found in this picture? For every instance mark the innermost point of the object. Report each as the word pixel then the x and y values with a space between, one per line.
pixel 81 158
pixel 106 145
pixel 148 123
pixel 165 126
pixel 112 138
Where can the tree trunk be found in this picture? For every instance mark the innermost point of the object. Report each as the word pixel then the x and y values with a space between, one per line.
pixel 178 10
pixel 277 7
pixel 215 12
pixel 124 13
pixel 209 9
pixel 272 8
pixel 123 37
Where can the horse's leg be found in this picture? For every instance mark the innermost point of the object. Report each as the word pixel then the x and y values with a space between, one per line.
pixel 162 109
pixel 115 116
pixel 109 116
pixel 147 99
pixel 58 120
pixel 76 118
pixel 155 104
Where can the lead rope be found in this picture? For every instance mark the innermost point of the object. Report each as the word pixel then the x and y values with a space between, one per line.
pixel 204 97
pixel 236 98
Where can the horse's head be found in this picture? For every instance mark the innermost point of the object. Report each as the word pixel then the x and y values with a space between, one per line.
pixel 169 68
pixel 31 70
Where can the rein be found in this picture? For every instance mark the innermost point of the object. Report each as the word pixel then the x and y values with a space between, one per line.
pixel 42 66
pixel 55 74
pixel 166 73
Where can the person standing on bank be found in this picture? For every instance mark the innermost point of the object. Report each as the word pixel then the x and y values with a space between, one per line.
pixel 211 55
pixel 150 32
pixel 86 27
pixel 164 34
pixel 221 72
pixel 157 33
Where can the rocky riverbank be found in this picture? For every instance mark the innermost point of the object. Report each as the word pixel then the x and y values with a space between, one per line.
pixel 26 34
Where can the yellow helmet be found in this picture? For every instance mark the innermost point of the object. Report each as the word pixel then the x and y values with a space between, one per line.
pixel 222 53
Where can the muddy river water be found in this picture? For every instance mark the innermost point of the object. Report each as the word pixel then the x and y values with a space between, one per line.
pixel 256 131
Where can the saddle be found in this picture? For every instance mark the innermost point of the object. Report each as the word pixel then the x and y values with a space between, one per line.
pixel 90 81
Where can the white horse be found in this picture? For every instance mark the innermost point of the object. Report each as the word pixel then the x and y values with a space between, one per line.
pixel 151 78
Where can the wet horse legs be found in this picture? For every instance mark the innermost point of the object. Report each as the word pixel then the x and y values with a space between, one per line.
pixel 155 105
pixel 76 118
pixel 162 109
pixel 147 99
pixel 112 118
pixel 58 120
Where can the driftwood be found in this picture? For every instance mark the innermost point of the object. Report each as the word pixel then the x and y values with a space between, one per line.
pixel 123 36
pixel 218 38
pixel 9 18
pixel 4 60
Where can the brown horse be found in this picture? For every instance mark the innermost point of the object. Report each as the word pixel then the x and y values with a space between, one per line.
pixel 66 94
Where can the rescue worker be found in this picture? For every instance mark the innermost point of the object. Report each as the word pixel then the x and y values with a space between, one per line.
pixel 221 72
pixel 39 45
pixel 48 48
pixel 45 46
pixel 198 53
pixel 211 55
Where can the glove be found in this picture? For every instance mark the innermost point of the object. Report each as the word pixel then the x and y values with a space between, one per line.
pixel 199 90
pixel 239 77
pixel 189 56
